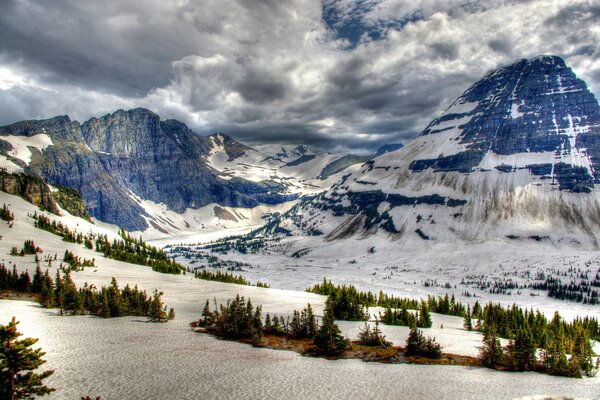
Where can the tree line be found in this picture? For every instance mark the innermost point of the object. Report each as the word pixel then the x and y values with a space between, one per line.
pixel 107 302
pixel 129 249
pixel 226 277
pixel 535 344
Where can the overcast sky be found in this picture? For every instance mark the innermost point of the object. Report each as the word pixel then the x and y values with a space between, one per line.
pixel 340 75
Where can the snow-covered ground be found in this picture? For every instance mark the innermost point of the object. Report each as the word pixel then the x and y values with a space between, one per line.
pixel 416 271
pixel 129 358
pixel 126 358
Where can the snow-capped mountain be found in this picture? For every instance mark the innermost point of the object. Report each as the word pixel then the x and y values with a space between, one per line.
pixel 143 173
pixel 516 157
pixel 297 170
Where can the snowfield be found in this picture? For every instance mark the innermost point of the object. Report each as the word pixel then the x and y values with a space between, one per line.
pixel 127 358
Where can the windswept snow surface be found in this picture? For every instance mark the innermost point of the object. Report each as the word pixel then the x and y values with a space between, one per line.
pixel 129 358
pixel 126 358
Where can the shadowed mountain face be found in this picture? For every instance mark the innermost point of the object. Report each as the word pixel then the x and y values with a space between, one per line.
pixel 517 156
pixel 118 159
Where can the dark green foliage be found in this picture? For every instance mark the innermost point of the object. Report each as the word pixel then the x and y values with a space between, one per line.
pixel 328 339
pixel 347 302
pixel 221 277
pixel 372 336
pixel 134 251
pixel 418 345
pixel 226 277
pixel 76 263
pixel 17 363
pixel 491 352
pixel 157 312
pixel 401 317
pixel 529 331
pixel 62 293
pixel 351 302
pixel 6 214
pixel 520 352
pixel 235 320
pixel 468 323
pixel 304 323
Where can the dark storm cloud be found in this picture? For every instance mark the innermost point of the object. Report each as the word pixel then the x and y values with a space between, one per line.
pixel 258 88
pixel 89 45
pixel 273 71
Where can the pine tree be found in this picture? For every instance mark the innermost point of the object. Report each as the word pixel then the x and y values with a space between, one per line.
pixel 424 316
pixel 372 337
pixel 157 312
pixel 491 352
pixel 329 340
pixel 468 324
pixel 208 318
pixel 415 342
pixel 17 363
pixel 311 322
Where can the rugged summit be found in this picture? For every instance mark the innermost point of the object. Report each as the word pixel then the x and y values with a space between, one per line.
pixel 516 157
pixel 121 159
pixel 138 171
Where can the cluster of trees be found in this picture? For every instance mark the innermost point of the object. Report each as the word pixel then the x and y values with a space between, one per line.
pixel 372 336
pixel 57 228
pixel 403 317
pixel 579 288
pixel 77 263
pixel 28 248
pixel 418 345
pixel 19 282
pixel 131 250
pixel 6 214
pixel 523 354
pixel 106 302
pixel 536 344
pixel 226 277
pixel 351 304
pixel 239 319
pixel 136 251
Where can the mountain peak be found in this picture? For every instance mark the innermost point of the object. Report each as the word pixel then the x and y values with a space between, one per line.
pixel 516 156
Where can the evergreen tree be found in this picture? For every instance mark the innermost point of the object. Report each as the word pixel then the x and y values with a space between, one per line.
pixel 418 345
pixel 157 312
pixel 491 352
pixel 424 316
pixel 17 363
pixel 468 324
pixel 372 337
pixel 208 318
pixel 329 340
pixel 520 352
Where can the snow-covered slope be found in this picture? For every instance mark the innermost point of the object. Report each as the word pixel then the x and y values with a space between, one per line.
pixel 516 157
pixel 146 174
pixel 296 169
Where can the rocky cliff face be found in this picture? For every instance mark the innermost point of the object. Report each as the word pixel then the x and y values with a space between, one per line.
pixel 515 157
pixel 121 159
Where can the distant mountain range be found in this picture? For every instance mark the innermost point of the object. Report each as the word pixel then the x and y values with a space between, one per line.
pixel 140 172
pixel 515 158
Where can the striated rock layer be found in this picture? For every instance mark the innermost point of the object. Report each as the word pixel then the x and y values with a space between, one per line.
pixel 516 157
